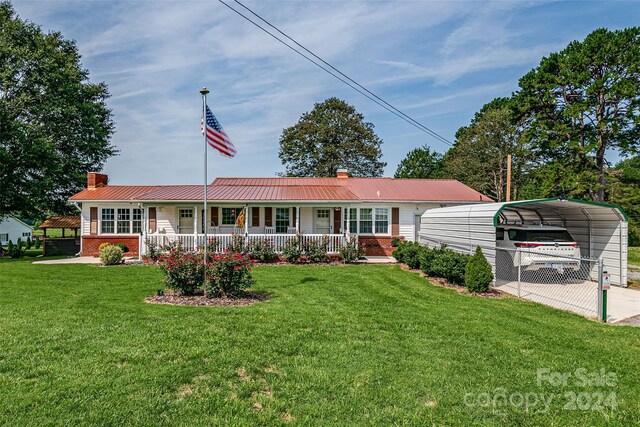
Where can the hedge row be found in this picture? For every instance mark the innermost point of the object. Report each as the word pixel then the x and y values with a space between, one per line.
pixel 474 272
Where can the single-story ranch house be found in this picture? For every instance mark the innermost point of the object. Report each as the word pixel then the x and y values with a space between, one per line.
pixel 373 209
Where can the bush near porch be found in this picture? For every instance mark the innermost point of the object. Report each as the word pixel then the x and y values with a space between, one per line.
pixel 357 345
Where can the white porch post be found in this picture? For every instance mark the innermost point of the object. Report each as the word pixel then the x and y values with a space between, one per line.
pixel 143 234
pixel 246 220
pixel 195 227
pixel 297 208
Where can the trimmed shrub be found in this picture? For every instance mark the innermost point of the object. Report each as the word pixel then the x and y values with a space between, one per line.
pixel 103 245
pixel 153 250
pixel 351 251
pixel 426 258
pixel 408 253
pixel 110 255
pixel 450 265
pixel 395 241
pixel 316 251
pixel 37 243
pixel 184 271
pixel 262 250
pixel 478 275
pixel 15 251
pixel 123 247
pixel 237 244
pixel 227 275
pixel 292 250
pixel 28 244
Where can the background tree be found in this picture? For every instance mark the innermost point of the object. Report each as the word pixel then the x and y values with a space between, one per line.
pixel 332 136
pixel 479 155
pixel 54 124
pixel 624 190
pixel 579 103
pixel 420 162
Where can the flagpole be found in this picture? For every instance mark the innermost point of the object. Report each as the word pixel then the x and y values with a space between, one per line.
pixel 204 91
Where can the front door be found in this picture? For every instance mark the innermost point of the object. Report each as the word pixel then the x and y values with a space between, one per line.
pixel 323 221
pixel 185 222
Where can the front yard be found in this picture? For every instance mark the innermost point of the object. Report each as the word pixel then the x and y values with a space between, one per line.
pixel 348 345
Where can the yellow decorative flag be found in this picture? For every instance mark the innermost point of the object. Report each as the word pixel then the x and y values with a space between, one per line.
pixel 240 219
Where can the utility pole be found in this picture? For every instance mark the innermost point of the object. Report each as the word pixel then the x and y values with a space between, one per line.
pixel 508 198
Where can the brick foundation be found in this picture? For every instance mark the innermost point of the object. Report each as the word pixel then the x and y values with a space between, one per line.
pixel 91 244
pixel 378 245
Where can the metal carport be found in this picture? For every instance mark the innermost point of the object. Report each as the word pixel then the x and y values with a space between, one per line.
pixel 599 228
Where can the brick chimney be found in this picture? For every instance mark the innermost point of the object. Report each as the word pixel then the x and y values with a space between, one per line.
pixel 343 173
pixel 96 180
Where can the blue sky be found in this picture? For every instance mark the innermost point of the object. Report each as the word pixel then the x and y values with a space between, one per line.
pixel 437 61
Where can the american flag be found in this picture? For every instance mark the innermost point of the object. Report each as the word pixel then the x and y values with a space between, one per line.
pixel 217 137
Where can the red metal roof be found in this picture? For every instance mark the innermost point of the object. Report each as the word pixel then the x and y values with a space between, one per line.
pixel 66 221
pixel 113 192
pixel 305 189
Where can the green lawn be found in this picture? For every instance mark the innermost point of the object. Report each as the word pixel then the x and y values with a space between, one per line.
pixel 634 255
pixel 347 345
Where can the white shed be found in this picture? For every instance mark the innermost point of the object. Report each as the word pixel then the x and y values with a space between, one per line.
pixel 599 228
pixel 13 229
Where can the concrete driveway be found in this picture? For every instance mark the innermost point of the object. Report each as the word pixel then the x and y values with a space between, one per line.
pixel 580 297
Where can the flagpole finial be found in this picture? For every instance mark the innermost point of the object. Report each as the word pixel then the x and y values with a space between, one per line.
pixel 204 91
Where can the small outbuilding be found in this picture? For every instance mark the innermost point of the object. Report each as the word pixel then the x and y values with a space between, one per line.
pixel 600 229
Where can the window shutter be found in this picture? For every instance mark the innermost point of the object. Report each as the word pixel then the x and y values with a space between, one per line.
pixel 268 217
pixel 336 220
pixel 93 221
pixel 395 221
pixel 293 216
pixel 153 221
pixel 214 216
pixel 255 216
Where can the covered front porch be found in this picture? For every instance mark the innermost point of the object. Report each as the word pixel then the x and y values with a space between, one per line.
pixel 222 242
pixel 274 225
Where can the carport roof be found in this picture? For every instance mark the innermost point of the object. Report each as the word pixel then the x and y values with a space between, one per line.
pixel 556 203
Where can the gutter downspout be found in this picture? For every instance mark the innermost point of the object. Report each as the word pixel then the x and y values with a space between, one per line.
pixel 81 227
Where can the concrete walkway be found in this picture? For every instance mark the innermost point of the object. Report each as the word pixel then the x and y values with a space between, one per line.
pixel 78 260
pixel 378 260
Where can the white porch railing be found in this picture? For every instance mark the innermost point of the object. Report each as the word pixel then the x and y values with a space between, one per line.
pixel 222 241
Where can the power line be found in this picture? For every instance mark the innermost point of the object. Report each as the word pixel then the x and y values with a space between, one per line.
pixel 330 69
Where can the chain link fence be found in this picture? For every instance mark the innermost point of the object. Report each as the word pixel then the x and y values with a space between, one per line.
pixel 566 283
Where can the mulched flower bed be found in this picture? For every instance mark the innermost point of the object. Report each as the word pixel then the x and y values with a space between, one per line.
pixel 172 298
pixel 439 281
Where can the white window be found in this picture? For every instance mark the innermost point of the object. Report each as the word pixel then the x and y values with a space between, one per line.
pixel 108 221
pixel 136 222
pixel 4 238
pixel 366 220
pixel 121 221
pixel 230 215
pixel 351 216
pixel 382 220
pixel 124 221
pixel 27 234
pixel 282 220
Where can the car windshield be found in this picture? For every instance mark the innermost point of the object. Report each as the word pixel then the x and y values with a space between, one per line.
pixel 540 236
